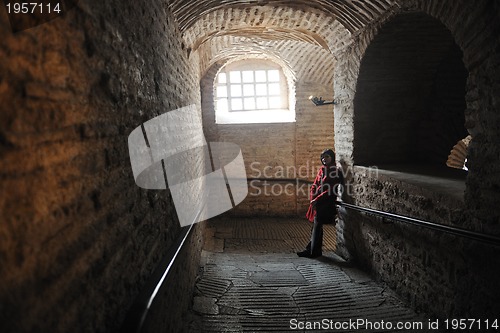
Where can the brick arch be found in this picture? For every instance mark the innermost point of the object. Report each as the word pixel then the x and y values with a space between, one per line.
pixel 228 51
pixel 353 15
pixel 265 22
pixel 469 29
pixel 307 62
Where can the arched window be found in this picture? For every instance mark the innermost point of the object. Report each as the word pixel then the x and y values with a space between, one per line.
pixel 252 91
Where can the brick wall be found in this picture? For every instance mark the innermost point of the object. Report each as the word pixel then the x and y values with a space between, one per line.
pixel 280 150
pixel 168 310
pixel 78 237
pixel 440 274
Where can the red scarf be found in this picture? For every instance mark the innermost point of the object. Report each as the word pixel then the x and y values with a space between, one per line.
pixel 317 190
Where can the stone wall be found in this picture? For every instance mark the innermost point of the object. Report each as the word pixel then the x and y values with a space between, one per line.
pixel 443 275
pixel 78 237
pixel 440 274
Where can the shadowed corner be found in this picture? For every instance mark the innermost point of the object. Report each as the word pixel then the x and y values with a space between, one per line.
pixel 27 15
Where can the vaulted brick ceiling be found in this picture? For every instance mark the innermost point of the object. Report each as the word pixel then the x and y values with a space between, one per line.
pixel 302 34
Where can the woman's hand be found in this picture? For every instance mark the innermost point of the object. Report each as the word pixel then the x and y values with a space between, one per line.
pixel 313 204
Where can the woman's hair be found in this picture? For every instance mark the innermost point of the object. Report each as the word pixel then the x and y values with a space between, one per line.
pixel 329 152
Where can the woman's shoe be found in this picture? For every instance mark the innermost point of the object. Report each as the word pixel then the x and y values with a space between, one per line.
pixel 304 253
pixel 308 254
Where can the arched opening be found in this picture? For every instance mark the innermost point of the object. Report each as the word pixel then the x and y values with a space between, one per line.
pixel 253 91
pixel 410 97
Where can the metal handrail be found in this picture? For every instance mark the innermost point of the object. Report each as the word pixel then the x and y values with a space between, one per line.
pixel 284 180
pixel 494 240
pixel 137 314
pixel 426 224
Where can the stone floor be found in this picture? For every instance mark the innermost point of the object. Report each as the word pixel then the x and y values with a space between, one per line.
pixel 251 280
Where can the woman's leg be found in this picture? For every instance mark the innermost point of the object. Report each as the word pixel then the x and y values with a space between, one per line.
pixel 316 244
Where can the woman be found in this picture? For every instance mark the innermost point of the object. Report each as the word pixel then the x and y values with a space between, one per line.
pixel 322 210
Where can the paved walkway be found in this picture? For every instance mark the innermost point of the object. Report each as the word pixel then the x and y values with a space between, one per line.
pixel 251 280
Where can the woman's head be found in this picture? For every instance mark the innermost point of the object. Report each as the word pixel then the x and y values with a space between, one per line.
pixel 327 157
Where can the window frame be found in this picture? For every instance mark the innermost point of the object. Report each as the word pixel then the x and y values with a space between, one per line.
pixel 234 106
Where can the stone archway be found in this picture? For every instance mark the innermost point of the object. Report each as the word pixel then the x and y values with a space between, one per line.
pixel 410 94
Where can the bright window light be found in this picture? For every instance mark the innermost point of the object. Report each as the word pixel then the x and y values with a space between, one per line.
pixel 248 90
pixel 249 103
pixel 248 76
pixel 222 78
pixel 222 92
pixel 273 76
pixel 274 102
pixel 236 104
pixel 252 91
pixel 236 90
pixel 222 105
pixel 235 76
